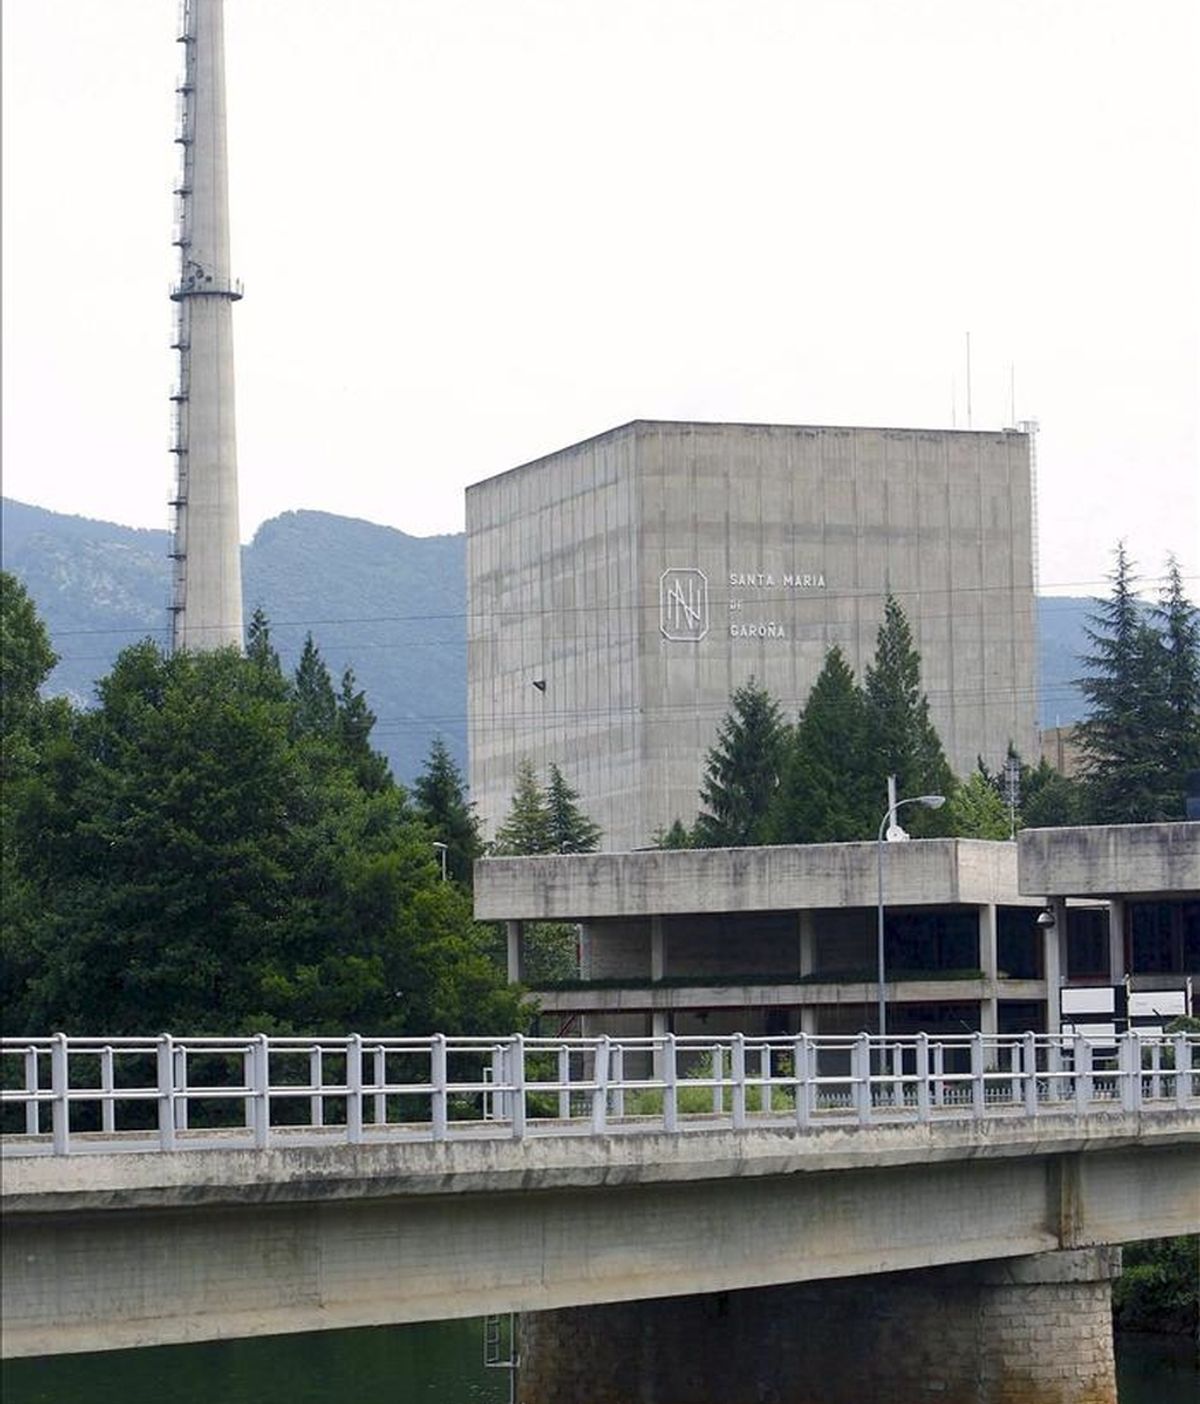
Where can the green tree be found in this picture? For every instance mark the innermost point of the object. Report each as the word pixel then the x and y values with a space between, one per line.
pixel 1049 799
pixel 211 864
pixel 825 793
pixel 316 702
pixel 977 811
pixel 741 772
pixel 34 735
pixel 353 723
pixel 570 829
pixel 441 803
pixel 1123 736
pixel 526 827
pixel 677 836
pixel 902 738
pixel 259 648
pixel 1179 626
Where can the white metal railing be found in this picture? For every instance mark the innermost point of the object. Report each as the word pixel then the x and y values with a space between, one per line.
pixel 61 1095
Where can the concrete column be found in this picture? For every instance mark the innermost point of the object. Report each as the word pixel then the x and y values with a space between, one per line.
pixel 658 1029
pixel 988 1011
pixel 1116 940
pixel 808 942
pixel 809 1023
pixel 1054 962
pixel 516 951
pixel 1034 1330
pixel 658 948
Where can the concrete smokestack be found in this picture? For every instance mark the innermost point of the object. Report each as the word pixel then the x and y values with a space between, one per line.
pixel 206 598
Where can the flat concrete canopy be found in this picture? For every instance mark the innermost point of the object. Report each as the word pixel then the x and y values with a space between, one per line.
pixel 1113 860
pixel 790 877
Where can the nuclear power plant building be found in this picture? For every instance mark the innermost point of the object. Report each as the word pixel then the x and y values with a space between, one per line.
pixel 620 589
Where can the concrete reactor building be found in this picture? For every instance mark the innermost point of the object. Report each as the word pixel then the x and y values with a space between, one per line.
pixel 620 589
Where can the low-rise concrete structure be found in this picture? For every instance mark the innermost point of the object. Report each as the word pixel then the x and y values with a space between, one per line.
pixel 1126 900
pixel 784 939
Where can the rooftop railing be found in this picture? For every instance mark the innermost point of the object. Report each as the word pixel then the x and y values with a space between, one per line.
pixel 61 1095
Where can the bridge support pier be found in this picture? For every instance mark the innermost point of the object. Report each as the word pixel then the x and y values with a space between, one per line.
pixel 1035 1330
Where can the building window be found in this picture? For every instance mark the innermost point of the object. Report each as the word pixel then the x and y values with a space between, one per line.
pixel 1087 943
pixel 1164 937
pixel 1018 943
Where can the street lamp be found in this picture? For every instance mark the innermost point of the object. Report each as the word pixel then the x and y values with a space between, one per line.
pixel 441 850
pixel 885 824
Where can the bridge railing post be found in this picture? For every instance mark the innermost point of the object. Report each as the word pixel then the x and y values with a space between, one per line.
pixel 670 1074
pixel 1183 1069
pixel 517 1080
pixel 922 1071
pixel 378 1080
pixel 718 1071
pixel 262 1091
pixel 978 1079
pixel 1083 1074
pixel 737 1060
pixel 802 1068
pixel 60 1085
pixel 166 1092
pixel 316 1080
pixel 32 1106
pixel 354 1089
pixel 439 1096
pixel 600 1091
pixel 108 1082
pixel 1029 1065
pixel 860 1073
pixel 564 1081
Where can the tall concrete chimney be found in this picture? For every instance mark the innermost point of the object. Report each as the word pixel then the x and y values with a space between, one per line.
pixel 206 592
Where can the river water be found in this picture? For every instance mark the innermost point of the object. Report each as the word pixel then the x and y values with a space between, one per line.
pixel 430 1364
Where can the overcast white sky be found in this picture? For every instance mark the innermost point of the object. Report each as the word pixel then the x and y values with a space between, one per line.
pixel 472 231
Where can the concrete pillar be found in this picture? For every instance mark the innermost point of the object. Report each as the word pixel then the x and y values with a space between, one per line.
pixel 658 948
pixel 1116 940
pixel 808 1019
pixel 1028 1330
pixel 988 963
pixel 1054 962
pixel 516 951
pixel 808 943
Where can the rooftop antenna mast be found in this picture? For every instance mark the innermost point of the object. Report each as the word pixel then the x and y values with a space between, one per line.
pixel 206 585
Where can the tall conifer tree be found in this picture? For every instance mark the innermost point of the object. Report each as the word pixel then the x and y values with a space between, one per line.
pixel 741 773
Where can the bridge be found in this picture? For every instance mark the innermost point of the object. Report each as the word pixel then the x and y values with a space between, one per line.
pixel 172 1189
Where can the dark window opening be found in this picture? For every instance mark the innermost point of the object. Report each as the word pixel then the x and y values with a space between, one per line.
pixel 1087 943
pixel 1164 937
pixel 1018 943
pixel 931 941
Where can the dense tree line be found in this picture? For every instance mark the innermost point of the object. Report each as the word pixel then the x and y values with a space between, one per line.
pixel 823 777
pixel 216 847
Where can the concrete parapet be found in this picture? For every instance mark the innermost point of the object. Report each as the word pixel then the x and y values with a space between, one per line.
pixel 1034 1330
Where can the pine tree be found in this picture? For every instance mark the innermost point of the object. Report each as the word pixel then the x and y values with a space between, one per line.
pixel 1123 737
pixel 976 809
pixel 1179 623
pixel 316 703
pixel 824 794
pixel 441 802
pixel 741 772
pixel 571 831
pixel 903 740
pixel 526 828
pixel 259 649
pixel 677 836
pixel 1049 799
pixel 354 721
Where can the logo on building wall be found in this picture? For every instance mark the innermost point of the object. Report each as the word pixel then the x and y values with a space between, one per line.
pixel 683 605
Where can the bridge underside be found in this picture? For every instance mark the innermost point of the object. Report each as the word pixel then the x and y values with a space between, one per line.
pixel 96 1257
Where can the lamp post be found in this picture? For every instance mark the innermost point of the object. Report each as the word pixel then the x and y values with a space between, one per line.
pixel 889 818
pixel 441 851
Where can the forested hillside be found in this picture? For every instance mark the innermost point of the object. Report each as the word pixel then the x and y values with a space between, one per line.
pixel 390 605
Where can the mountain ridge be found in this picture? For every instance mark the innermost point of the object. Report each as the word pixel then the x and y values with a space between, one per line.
pixel 388 604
